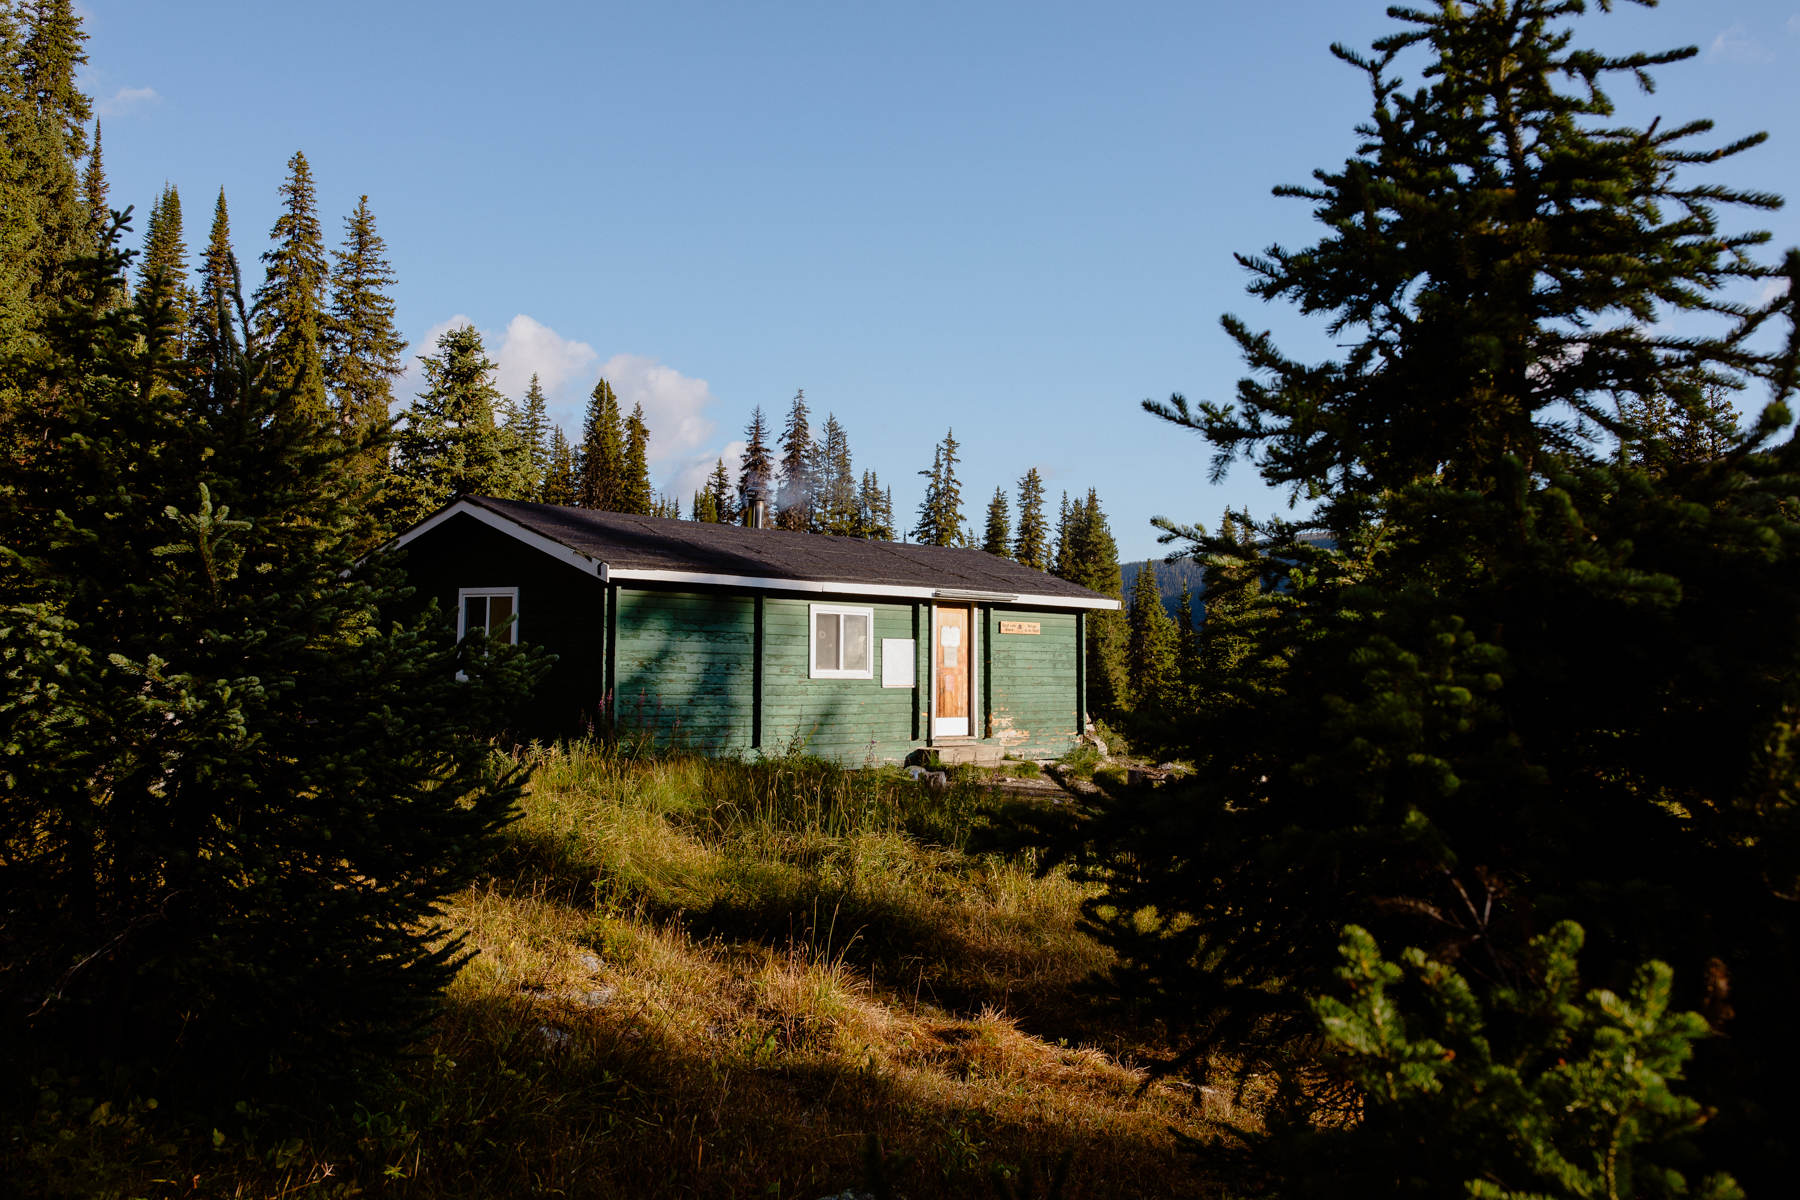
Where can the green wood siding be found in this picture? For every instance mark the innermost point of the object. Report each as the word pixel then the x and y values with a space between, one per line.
pixel 1033 683
pixel 685 667
pixel 847 719
pixel 560 608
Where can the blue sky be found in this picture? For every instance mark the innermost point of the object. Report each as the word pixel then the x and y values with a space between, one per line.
pixel 1016 220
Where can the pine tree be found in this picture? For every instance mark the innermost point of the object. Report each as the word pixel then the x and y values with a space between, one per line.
pixel 213 374
pixel 756 466
pixel 94 191
pixel 239 783
pixel 1187 650
pixel 1028 547
pixel 1094 564
pixel 1064 563
pixel 1469 697
pixel 718 492
pixel 450 445
pixel 999 526
pixel 875 510
pixel 561 478
pixel 162 275
pixel 533 429
pixel 290 305
pixel 362 347
pixel 49 139
pixel 940 512
pixel 836 508
pixel 1151 666
pixel 797 492
pixel 635 495
pixel 702 508
pixel 601 459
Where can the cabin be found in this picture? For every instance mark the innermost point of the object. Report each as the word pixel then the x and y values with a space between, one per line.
pixel 735 639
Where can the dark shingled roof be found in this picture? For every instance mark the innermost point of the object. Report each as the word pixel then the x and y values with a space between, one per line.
pixel 628 542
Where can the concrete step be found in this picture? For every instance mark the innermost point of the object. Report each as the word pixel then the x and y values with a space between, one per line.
pixel 980 754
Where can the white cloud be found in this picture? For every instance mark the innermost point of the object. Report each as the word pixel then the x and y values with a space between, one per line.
pixel 1737 44
pixel 125 100
pixel 1793 24
pixel 561 364
pixel 678 408
pixel 1772 288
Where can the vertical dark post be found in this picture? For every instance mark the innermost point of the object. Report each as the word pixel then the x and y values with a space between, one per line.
pixel 612 656
pixel 987 670
pixel 1080 673
pixel 756 670
pixel 930 671
pixel 917 674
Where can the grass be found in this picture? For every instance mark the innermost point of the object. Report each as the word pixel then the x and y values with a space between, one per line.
pixel 695 977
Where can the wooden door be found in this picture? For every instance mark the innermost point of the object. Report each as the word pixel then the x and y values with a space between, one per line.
pixel 955 674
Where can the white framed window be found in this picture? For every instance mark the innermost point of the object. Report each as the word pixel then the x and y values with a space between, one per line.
pixel 842 642
pixel 494 609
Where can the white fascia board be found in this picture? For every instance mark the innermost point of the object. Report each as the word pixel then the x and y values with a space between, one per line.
pixel 846 588
pixel 537 541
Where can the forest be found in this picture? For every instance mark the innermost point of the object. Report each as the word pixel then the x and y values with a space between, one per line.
pixel 1474 872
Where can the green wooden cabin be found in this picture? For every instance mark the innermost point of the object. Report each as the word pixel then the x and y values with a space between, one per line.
pixel 734 640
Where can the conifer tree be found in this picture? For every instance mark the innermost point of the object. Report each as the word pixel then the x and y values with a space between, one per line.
pixel 213 374
pixel 362 347
pixel 561 478
pixel 162 273
pixel 835 497
pixel 1151 667
pixel 94 191
pixel 601 459
pixel 940 512
pixel 290 304
pixel 1187 649
pixel 450 445
pixel 1093 562
pixel 756 467
pixel 701 507
pixel 875 510
pixel 797 488
pixel 48 139
pixel 1064 563
pixel 999 526
pixel 238 782
pixel 1028 546
pixel 718 494
pixel 635 494
pixel 18 210
pixel 533 428
pixel 1470 708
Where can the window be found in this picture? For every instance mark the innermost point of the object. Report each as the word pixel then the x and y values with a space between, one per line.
pixel 493 609
pixel 841 642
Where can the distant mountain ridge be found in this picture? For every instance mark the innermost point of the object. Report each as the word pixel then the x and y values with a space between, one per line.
pixel 1170 576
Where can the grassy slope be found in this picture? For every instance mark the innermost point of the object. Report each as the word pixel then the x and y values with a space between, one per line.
pixel 701 978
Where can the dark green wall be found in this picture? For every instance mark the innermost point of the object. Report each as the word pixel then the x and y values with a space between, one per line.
pixel 685 664
pixel 560 608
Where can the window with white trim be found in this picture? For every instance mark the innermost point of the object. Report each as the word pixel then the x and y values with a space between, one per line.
pixel 495 610
pixel 843 643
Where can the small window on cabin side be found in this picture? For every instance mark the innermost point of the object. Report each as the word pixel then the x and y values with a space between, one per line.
pixel 842 642
pixel 495 610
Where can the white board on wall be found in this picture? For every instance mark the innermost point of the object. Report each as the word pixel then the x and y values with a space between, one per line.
pixel 897 662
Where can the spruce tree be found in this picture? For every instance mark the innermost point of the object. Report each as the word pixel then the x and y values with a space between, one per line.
pixel 835 497
pixel 450 445
pixel 1468 702
pixel 238 782
pixel 1028 546
pixel 1094 564
pixel 533 428
pixel 290 304
pixel 999 526
pixel 875 510
pixel 601 458
pixel 48 141
pixel 362 347
pixel 162 272
pixel 1152 641
pixel 95 190
pixel 1063 564
pixel 797 492
pixel 718 494
pixel 561 478
pixel 756 466
pixel 636 495
pixel 940 512
pixel 213 374
pixel 1187 650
